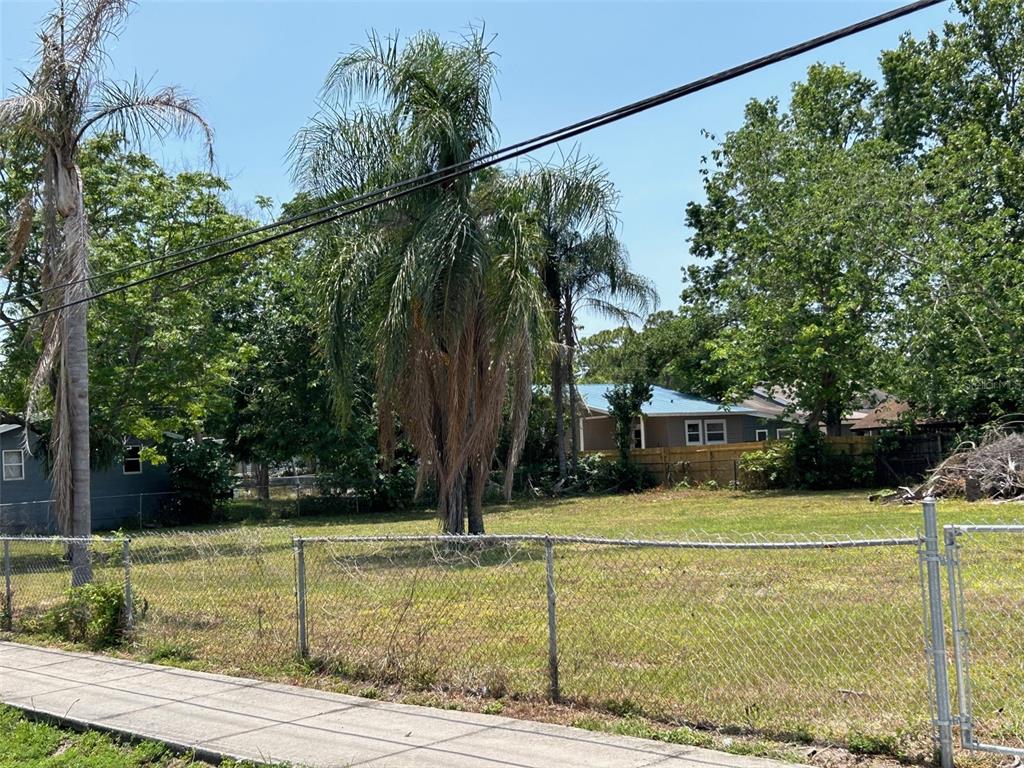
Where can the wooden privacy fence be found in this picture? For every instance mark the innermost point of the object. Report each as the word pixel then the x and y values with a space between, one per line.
pixel 718 463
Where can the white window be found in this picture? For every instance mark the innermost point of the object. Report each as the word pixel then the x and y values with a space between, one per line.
pixel 694 436
pixel 714 431
pixel 14 465
pixel 784 434
pixel 132 463
pixel 760 435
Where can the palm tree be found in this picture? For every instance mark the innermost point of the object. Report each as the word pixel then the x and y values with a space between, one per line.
pixel 59 104
pixel 441 283
pixel 585 266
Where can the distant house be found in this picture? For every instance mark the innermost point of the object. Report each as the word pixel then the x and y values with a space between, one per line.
pixel 891 415
pixel 673 419
pixel 777 402
pixel 124 494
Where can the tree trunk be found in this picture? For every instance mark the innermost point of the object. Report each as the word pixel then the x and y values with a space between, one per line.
pixel 263 481
pixel 75 376
pixel 476 485
pixel 570 377
pixel 451 508
pixel 76 357
pixel 556 396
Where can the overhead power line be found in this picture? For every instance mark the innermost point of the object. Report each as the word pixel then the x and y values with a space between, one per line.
pixel 400 189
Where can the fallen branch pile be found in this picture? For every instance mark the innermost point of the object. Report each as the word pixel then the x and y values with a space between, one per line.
pixel 995 467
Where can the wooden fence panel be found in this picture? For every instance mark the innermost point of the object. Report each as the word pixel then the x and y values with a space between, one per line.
pixel 719 463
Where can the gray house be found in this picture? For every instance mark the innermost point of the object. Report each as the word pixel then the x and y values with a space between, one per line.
pixel 674 419
pixel 125 494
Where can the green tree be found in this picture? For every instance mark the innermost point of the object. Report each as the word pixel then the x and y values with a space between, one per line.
pixel 806 231
pixel 59 104
pixel 442 284
pixel 953 102
pixel 673 350
pixel 584 267
pixel 163 353
pixel 625 402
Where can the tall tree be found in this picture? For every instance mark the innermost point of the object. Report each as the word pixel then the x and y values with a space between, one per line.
pixel 953 102
pixel 585 266
pixel 63 100
pixel 806 231
pixel 442 283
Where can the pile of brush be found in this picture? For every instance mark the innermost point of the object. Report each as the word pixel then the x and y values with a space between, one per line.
pixel 990 469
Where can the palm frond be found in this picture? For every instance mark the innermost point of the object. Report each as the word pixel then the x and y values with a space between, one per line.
pixel 130 110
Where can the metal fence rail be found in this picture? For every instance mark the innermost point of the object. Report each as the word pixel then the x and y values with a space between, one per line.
pixel 985 571
pixel 737 631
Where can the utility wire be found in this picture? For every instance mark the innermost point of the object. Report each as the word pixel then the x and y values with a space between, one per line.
pixel 397 190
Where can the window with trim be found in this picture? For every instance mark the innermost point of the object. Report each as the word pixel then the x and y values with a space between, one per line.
pixel 760 435
pixel 784 434
pixel 132 462
pixel 14 465
pixel 638 435
pixel 714 432
pixel 693 433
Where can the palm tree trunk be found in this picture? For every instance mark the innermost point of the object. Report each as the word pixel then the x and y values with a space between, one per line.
pixel 476 484
pixel 557 385
pixel 75 375
pixel 451 507
pixel 570 375
pixel 77 361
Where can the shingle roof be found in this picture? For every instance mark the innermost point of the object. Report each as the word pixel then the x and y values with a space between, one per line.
pixel 664 402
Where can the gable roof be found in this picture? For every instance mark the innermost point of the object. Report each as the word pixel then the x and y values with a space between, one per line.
pixel 664 402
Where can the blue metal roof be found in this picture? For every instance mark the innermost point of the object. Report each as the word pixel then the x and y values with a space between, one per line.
pixel 664 402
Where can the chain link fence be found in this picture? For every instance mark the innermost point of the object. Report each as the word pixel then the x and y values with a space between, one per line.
pixel 807 637
pixel 37 574
pixel 741 632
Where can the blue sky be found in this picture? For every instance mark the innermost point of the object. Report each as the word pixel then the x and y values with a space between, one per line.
pixel 256 68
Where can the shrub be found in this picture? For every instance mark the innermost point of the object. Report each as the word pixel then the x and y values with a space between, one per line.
pixel 769 468
pixel 807 462
pixel 597 473
pixel 92 614
pixel 360 472
pixel 201 475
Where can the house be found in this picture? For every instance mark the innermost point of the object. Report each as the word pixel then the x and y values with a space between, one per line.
pixel 672 419
pixel 779 403
pixel 891 415
pixel 127 493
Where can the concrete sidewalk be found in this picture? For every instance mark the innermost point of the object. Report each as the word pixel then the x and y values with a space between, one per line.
pixel 265 722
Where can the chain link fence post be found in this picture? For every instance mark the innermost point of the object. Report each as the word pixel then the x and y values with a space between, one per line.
pixel 960 638
pixel 549 557
pixel 8 613
pixel 129 601
pixel 936 644
pixel 300 597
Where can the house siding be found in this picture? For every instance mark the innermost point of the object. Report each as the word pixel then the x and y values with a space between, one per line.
pixel 670 431
pixel 118 500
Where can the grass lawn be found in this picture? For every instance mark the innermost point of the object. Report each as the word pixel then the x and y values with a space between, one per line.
pixel 808 644
pixel 27 743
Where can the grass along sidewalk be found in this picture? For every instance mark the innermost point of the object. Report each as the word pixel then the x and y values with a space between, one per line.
pixel 29 743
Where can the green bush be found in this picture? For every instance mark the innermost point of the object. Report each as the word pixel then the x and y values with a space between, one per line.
pixel 200 472
pixel 598 474
pixel 769 468
pixel 807 462
pixel 92 614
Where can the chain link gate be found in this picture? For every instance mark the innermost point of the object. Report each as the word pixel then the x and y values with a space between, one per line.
pixel 985 575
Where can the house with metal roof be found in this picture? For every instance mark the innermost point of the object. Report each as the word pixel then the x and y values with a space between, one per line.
pixel 675 419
